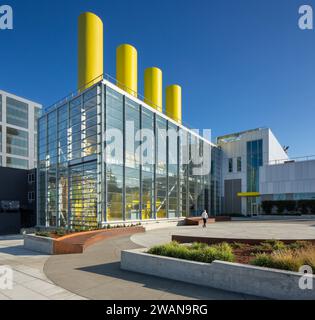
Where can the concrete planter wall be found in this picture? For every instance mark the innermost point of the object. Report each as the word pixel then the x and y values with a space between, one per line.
pixel 39 244
pixel 262 282
pixel 75 243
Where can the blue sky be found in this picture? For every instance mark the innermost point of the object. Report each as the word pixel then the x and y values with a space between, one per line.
pixel 242 63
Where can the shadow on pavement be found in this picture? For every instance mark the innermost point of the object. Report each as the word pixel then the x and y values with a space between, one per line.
pixel 165 285
pixel 18 251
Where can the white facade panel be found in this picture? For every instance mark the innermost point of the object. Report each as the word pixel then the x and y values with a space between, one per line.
pixel 287 178
pixel 28 160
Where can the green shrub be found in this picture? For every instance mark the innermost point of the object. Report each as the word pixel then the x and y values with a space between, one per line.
pixel 275 244
pixel 196 252
pixel 300 245
pixel 288 259
pixel 61 232
pixel 45 234
pixel 269 246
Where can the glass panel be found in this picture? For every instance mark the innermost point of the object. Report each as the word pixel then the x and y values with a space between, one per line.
pixel 183 191
pixel 239 164
pixel 132 183
pixel 17 142
pixel 17 163
pixel 42 171
pixel 132 161
pixel 83 195
pixel 114 178
pixel 52 196
pixel 230 165
pixel 192 196
pixel 114 160
pixel 172 171
pixel 17 113
pixel 89 120
pixel 161 168
pixel 37 114
pixel 148 164
pixel 63 195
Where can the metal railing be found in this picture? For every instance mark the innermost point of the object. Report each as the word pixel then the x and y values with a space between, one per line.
pixel 291 160
pixel 114 81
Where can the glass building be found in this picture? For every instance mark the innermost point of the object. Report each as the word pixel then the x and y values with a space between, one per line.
pixel 82 181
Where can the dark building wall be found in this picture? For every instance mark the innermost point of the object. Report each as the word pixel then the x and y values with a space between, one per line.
pixel 232 203
pixel 15 186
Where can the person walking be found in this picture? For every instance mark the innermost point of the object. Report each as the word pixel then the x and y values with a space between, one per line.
pixel 204 218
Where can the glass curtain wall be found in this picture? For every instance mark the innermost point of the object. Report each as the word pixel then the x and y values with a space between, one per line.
pixel 148 167
pixel 173 197
pixel 161 182
pixel 183 173
pixel 73 175
pixel 42 172
pixel 215 198
pixel 132 161
pixel 254 161
pixel 114 157
pixel 192 179
pixel 63 185
pixel 52 169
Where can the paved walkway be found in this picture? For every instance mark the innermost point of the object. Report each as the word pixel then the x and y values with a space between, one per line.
pixel 236 229
pixel 96 274
pixel 29 279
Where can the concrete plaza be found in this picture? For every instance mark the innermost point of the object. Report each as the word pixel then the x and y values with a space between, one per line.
pixel 96 273
pixel 29 280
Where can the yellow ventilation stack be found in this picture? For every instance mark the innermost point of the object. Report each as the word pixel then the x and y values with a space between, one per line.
pixel 90 50
pixel 127 69
pixel 174 103
pixel 153 84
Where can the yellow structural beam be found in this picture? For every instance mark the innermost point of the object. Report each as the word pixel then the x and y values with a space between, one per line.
pixel 248 194
pixel 127 69
pixel 174 102
pixel 153 88
pixel 90 50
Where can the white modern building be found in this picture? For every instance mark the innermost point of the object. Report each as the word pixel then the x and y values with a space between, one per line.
pixel 256 168
pixel 291 180
pixel 18 131
pixel 243 154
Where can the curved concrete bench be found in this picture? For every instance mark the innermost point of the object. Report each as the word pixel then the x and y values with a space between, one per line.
pixel 195 221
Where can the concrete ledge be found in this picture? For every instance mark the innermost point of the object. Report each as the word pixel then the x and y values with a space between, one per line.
pixel 195 221
pixel 210 240
pixel 39 244
pixel 251 280
pixel 162 224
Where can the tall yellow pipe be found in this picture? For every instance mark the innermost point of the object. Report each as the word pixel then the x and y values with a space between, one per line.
pixel 174 102
pixel 127 69
pixel 153 84
pixel 90 50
